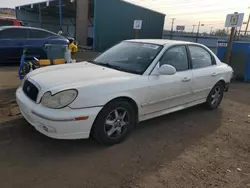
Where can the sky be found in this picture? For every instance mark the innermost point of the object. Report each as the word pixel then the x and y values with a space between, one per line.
pixel 211 13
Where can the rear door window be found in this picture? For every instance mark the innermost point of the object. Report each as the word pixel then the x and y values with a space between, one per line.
pixel 13 33
pixel 39 34
pixel 201 58
pixel 6 23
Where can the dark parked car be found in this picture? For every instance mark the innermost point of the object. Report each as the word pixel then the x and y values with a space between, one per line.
pixel 14 39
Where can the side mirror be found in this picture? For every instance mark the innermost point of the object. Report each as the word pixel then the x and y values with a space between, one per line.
pixel 167 70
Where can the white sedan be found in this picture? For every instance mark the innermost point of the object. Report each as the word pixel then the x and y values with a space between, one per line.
pixel 131 82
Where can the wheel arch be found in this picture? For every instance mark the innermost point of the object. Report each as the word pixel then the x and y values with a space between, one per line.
pixel 222 81
pixel 128 99
pixel 120 98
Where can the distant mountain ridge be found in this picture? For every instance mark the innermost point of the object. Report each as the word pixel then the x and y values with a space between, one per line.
pixel 7 12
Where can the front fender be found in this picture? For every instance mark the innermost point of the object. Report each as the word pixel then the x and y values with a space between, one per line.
pixel 102 100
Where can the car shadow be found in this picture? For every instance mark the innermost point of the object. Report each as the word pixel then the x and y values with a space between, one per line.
pixel 152 143
pixel 238 94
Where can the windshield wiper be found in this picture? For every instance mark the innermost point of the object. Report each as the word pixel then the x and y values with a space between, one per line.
pixel 107 65
pixel 119 68
pixel 113 67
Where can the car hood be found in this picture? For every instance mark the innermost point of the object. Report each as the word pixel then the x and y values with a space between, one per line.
pixel 74 74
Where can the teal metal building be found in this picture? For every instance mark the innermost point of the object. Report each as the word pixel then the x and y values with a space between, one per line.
pixel 103 22
pixel 114 19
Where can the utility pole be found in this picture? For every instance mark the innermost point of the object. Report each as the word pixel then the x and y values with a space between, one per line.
pixel 229 45
pixel 60 14
pixel 198 30
pixel 211 30
pixel 235 33
pixel 239 32
pixel 193 28
pixel 172 27
pixel 40 16
pixel 247 25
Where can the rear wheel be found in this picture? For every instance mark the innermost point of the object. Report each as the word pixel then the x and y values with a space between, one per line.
pixel 114 123
pixel 215 97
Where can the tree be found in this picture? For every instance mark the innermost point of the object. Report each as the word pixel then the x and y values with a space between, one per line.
pixel 221 32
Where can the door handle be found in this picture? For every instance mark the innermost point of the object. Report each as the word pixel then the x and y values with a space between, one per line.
pixel 214 74
pixel 186 79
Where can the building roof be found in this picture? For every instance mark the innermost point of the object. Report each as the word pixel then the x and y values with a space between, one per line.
pixel 68 8
pixel 24 27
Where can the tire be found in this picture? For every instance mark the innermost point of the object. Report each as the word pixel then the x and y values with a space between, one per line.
pixel 114 123
pixel 215 96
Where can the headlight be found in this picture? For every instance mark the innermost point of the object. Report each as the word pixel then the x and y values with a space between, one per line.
pixel 59 100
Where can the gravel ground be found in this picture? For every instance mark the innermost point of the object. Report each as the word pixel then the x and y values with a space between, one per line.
pixel 191 148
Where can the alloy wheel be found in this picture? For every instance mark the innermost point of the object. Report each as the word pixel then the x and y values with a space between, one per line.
pixel 116 123
pixel 216 96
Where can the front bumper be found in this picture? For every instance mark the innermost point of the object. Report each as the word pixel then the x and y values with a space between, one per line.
pixel 57 123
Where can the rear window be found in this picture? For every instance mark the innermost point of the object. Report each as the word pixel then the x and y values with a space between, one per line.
pixel 6 23
pixel 13 33
pixel 35 34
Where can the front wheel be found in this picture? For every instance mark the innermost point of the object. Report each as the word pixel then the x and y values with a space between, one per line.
pixel 114 123
pixel 215 96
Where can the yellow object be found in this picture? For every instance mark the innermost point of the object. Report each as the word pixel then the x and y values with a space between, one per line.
pixel 30 64
pixel 44 62
pixel 73 48
pixel 58 61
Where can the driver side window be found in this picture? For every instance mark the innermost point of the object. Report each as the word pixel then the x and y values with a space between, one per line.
pixel 177 57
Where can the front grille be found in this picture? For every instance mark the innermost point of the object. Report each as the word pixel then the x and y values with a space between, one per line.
pixel 30 90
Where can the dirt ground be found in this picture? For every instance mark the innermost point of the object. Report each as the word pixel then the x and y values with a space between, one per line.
pixel 191 148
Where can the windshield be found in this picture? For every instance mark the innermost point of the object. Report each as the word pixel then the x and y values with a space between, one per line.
pixel 132 57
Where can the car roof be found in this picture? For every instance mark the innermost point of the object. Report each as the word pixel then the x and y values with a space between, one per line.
pixel 23 27
pixel 160 41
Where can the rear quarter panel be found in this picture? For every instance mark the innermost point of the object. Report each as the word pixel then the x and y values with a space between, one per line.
pixel 225 72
